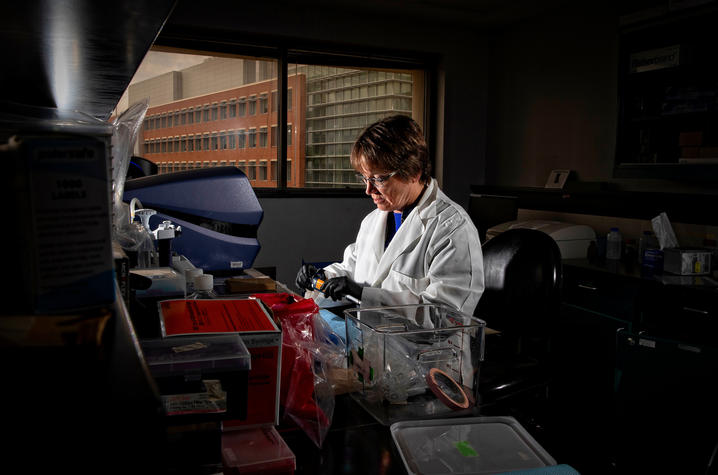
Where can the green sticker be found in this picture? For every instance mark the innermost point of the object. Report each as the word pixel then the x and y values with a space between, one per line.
pixel 466 449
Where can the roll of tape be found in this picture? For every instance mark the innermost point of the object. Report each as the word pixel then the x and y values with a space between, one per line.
pixel 447 389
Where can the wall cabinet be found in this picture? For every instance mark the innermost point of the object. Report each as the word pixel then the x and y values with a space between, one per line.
pixel 668 91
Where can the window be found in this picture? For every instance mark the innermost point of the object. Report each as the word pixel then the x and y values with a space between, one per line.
pixel 327 107
pixel 250 72
pixel 252 105
pixel 223 140
pixel 252 138
pixel 251 170
pixel 241 139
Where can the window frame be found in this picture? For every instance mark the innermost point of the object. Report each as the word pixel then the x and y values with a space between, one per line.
pixel 310 53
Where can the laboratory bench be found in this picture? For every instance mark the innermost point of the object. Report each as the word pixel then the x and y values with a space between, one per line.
pixel 631 391
pixel 636 354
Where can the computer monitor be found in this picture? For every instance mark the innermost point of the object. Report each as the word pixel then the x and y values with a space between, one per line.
pixel 489 210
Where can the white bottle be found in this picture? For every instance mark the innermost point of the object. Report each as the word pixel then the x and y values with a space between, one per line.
pixel 613 244
pixel 189 276
pixel 204 287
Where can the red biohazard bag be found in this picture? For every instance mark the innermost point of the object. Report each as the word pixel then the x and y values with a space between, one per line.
pixel 306 394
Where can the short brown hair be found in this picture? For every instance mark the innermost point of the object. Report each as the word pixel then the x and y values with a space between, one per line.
pixel 394 143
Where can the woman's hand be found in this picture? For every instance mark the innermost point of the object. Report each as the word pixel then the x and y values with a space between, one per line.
pixel 305 275
pixel 338 287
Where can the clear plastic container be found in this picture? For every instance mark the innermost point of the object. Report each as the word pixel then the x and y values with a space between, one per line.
pixel 200 375
pixel 256 450
pixel 473 445
pixel 614 241
pixel 203 287
pixel 414 361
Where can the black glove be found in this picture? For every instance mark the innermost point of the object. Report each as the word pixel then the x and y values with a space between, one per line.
pixel 305 275
pixel 338 287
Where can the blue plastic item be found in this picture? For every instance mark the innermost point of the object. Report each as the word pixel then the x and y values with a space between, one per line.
pixel 217 209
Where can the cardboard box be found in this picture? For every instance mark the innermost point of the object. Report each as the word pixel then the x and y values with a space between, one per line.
pixel 690 152
pixel 58 203
pixel 708 152
pixel 687 261
pixel 260 335
pixel 690 139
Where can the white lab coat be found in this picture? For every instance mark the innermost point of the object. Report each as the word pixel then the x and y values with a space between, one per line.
pixel 435 257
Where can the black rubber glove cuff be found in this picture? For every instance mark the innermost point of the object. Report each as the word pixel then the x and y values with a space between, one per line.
pixel 338 287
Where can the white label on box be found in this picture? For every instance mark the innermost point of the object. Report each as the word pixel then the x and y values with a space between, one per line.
pixel 654 59
pixel 236 264
pixel 647 343
pixel 70 221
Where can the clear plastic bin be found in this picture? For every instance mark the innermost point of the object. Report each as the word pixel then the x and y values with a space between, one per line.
pixel 259 450
pixel 200 374
pixel 415 361
pixel 473 445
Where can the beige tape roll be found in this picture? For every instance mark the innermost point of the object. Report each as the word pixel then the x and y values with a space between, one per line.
pixel 441 384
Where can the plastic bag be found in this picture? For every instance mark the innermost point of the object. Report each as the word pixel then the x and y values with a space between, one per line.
pixel 309 350
pixel 126 127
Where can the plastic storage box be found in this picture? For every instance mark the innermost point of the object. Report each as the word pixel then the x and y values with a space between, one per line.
pixel 415 361
pixel 259 450
pixel 475 445
pixel 202 375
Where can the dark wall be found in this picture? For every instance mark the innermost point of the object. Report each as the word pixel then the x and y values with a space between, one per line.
pixel 553 96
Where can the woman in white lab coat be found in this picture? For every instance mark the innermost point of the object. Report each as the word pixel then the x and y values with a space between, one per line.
pixel 418 245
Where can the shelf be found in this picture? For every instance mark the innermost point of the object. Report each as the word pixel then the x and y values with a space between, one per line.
pixel 687 208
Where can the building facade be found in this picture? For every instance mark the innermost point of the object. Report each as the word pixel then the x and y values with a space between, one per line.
pixel 224 111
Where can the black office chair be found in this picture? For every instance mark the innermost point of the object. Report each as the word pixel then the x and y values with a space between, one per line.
pixel 522 297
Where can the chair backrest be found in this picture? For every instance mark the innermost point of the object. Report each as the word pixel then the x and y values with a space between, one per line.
pixel 523 279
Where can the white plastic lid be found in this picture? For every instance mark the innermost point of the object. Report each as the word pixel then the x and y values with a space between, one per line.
pixel 204 282
pixel 467 445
